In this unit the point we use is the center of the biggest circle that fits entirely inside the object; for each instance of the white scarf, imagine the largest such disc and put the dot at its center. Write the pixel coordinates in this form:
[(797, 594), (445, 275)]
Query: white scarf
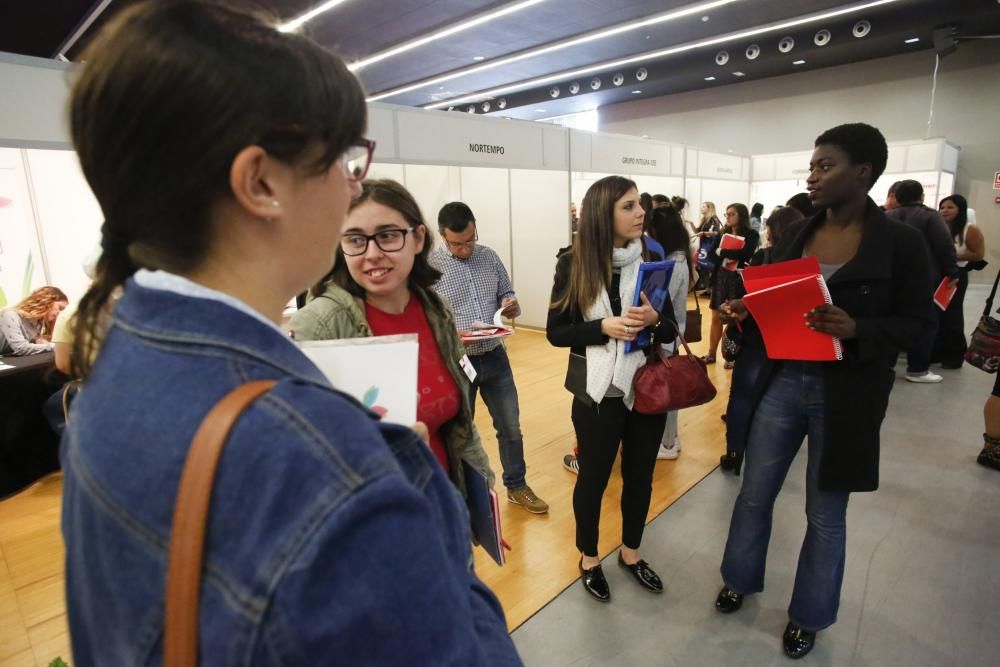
[(608, 364)]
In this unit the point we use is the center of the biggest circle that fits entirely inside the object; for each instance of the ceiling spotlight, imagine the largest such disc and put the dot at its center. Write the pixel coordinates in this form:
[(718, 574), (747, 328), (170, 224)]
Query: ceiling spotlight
[(637, 92), (574, 88), (822, 38), (705, 19), (595, 83), (618, 79), (502, 103), (721, 58), (798, 62), (753, 51), (539, 110), (486, 106), (478, 58), (471, 109), (709, 78), (861, 29), (786, 44), (554, 92), (641, 74), (740, 74), (911, 40), (451, 108)]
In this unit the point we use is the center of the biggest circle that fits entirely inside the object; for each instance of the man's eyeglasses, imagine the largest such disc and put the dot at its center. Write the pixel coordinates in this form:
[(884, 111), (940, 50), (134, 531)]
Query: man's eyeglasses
[(357, 158), (458, 245), (387, 240)]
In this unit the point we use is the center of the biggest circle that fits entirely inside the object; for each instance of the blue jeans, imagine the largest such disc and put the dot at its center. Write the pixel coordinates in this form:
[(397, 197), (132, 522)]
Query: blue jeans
[(496, 381), (792, 408)]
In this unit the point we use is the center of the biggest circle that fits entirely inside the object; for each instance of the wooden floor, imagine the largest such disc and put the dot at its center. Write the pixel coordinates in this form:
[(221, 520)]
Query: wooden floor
[(543, 561)]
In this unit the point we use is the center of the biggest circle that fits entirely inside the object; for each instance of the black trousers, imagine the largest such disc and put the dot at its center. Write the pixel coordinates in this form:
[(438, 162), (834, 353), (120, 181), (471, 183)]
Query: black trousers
[(599, 431), (950, 344)]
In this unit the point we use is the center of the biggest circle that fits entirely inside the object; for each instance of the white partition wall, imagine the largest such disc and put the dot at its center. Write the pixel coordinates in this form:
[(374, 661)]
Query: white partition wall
[(721, 178), (933, 163), (656, 167), (488, 193), (21, 267)]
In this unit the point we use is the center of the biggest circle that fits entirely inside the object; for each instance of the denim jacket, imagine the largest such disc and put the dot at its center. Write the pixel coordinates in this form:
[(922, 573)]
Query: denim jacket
[(333, 538), (337, 314)]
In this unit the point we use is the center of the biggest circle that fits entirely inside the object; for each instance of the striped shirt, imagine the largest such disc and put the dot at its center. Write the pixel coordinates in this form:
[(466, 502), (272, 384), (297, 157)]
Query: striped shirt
[(474, 288)]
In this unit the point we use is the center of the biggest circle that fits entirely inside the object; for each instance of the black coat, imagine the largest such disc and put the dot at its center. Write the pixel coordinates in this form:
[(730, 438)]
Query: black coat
[(935, 231), (885, 288)]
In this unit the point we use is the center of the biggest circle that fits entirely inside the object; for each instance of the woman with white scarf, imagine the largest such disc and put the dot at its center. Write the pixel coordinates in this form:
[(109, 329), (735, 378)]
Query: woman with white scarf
[(590, 313)]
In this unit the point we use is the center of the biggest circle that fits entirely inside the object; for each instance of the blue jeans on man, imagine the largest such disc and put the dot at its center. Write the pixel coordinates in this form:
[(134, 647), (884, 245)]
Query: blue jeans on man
[(791, 409), (495, 380)]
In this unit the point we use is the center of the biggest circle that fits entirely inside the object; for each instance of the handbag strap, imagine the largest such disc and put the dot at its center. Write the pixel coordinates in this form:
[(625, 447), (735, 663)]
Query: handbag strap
[(696, 304), (993, 293), (187, 537), (677, 334)]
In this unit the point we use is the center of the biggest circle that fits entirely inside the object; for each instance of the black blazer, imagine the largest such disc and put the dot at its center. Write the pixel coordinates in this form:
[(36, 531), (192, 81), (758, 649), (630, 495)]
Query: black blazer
[(885, 288)]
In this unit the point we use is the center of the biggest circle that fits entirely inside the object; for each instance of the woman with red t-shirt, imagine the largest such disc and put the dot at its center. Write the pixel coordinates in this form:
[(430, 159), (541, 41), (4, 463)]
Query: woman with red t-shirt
[(380, 285)]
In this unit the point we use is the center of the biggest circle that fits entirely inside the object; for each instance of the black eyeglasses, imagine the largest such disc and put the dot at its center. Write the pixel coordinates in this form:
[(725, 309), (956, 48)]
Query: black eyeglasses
[(357, 158), (387, 240), (458, 245)]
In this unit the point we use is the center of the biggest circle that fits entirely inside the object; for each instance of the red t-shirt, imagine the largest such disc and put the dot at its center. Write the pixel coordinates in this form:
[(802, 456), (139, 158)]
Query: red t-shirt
[(439, 400)]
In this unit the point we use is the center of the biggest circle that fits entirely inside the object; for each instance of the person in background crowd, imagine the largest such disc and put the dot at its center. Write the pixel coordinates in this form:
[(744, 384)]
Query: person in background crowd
[(670, 232), (910, 210), (755, 216), (708, 233), (589, 313), (26, 328), (728, 284), (891, 202), (970, 249), (573, 220), (474, 282), (751, 356), (660, 201), (803, 204), (381, 284), (224, 154), (878, 275), (680, 205), (646, 201)]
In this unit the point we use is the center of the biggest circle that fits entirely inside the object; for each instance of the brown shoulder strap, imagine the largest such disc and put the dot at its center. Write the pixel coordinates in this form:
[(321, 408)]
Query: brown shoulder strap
[(187, 537)]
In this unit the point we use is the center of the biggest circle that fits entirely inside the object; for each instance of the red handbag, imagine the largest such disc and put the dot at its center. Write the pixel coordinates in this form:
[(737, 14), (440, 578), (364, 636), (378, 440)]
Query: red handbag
[(668, 383)]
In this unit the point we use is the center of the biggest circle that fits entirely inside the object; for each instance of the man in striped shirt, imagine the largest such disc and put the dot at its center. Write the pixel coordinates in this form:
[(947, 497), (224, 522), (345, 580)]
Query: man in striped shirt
[(476, 285)]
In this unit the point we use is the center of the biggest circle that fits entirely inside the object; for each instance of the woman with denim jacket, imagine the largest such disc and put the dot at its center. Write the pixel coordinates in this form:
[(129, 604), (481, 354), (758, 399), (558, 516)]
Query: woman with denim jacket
[(590, 314), (380, 285), (224, 154), (878, 274)]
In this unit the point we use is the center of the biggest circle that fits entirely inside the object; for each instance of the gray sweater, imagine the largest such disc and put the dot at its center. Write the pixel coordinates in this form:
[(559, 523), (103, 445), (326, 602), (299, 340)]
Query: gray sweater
[(17, 334)]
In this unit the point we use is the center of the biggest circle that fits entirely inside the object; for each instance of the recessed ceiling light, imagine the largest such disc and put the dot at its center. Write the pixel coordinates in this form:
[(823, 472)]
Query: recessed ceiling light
[(911, 40), (645, 136), (798, 62), (738, 74), (709, 78), (705, 19), (477, 58), (539, 110), (637, 92)]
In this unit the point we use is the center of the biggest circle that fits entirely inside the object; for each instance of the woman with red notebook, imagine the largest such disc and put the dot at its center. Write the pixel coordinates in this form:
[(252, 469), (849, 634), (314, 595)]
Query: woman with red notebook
[(878, 275)]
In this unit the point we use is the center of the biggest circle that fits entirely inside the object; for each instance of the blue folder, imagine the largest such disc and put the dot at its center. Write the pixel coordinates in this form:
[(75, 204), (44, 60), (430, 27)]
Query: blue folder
[(654, 281), (484, 513)]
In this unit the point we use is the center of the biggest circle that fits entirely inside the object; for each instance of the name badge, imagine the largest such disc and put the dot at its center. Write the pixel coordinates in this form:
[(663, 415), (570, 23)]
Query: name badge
[(466, 365)]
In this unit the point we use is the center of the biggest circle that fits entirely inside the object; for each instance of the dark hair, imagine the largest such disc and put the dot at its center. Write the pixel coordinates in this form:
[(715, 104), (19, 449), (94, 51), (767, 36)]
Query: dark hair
[(660, 199), (863, 144), (669, 231), (757, 210), (894, 187), (962, 219), (456, 217), (779, 220), (392, 195), (593, 245), (909, 192), (169, 94), (802, 204), (679, 203), (646, 202), (742, 218)]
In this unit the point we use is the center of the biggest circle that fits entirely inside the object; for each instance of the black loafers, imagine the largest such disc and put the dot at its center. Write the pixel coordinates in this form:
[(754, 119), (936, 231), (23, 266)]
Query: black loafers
[(728, 601), (595, 583), (644, 574), (797, 642)]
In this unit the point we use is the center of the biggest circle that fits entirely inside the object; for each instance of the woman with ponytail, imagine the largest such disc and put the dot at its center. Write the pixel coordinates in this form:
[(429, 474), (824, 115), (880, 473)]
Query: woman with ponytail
[(224, 154), (590, 314)]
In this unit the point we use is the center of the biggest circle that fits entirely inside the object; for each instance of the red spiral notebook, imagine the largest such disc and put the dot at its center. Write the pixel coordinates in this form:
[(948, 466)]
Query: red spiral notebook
[(779, 296), (731, 242), (945, 293)]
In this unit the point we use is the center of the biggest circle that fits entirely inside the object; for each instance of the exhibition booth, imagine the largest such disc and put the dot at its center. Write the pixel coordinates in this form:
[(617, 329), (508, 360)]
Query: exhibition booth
[(933, 163)]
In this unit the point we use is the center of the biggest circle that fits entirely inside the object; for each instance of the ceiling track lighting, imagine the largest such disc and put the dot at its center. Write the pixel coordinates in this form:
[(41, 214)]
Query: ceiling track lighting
[(595, 83), (641, 74), (822, 37), (721, 58), (618, 79), (554, 92), (502, 103), (786, 44), (486, 106), (574, 88), (861, 28), (753, 51)]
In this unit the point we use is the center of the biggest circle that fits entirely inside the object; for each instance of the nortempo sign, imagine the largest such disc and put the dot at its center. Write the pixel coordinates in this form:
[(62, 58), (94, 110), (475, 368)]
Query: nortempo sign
[(486, 148)]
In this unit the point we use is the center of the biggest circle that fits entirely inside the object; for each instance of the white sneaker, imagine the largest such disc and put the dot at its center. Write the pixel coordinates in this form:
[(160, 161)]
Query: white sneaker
[(669, 453), (925, 378)]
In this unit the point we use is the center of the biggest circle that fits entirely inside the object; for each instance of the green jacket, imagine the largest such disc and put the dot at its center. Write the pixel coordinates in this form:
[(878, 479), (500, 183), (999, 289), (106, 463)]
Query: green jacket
[(337, 314)]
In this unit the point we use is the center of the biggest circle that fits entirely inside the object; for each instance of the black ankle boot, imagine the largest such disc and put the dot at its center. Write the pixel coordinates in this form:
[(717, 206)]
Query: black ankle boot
[(728, 601), (797, 642), (990, 456)]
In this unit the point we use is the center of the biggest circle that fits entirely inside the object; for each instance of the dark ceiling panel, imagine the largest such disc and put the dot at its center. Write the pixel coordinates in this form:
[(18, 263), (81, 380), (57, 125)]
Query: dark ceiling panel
[(37, 28)]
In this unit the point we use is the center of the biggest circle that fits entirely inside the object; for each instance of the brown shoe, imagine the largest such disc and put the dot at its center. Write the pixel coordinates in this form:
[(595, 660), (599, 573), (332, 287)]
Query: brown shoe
[(527, 499)]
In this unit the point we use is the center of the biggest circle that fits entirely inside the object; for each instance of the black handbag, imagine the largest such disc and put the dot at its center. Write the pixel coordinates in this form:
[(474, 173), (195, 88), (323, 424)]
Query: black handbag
[(576, 377), (692, 322), (984, 346)]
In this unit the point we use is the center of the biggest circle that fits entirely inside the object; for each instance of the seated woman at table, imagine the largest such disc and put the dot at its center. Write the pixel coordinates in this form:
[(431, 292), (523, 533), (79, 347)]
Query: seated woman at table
[(380, 285), (27, 327)]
